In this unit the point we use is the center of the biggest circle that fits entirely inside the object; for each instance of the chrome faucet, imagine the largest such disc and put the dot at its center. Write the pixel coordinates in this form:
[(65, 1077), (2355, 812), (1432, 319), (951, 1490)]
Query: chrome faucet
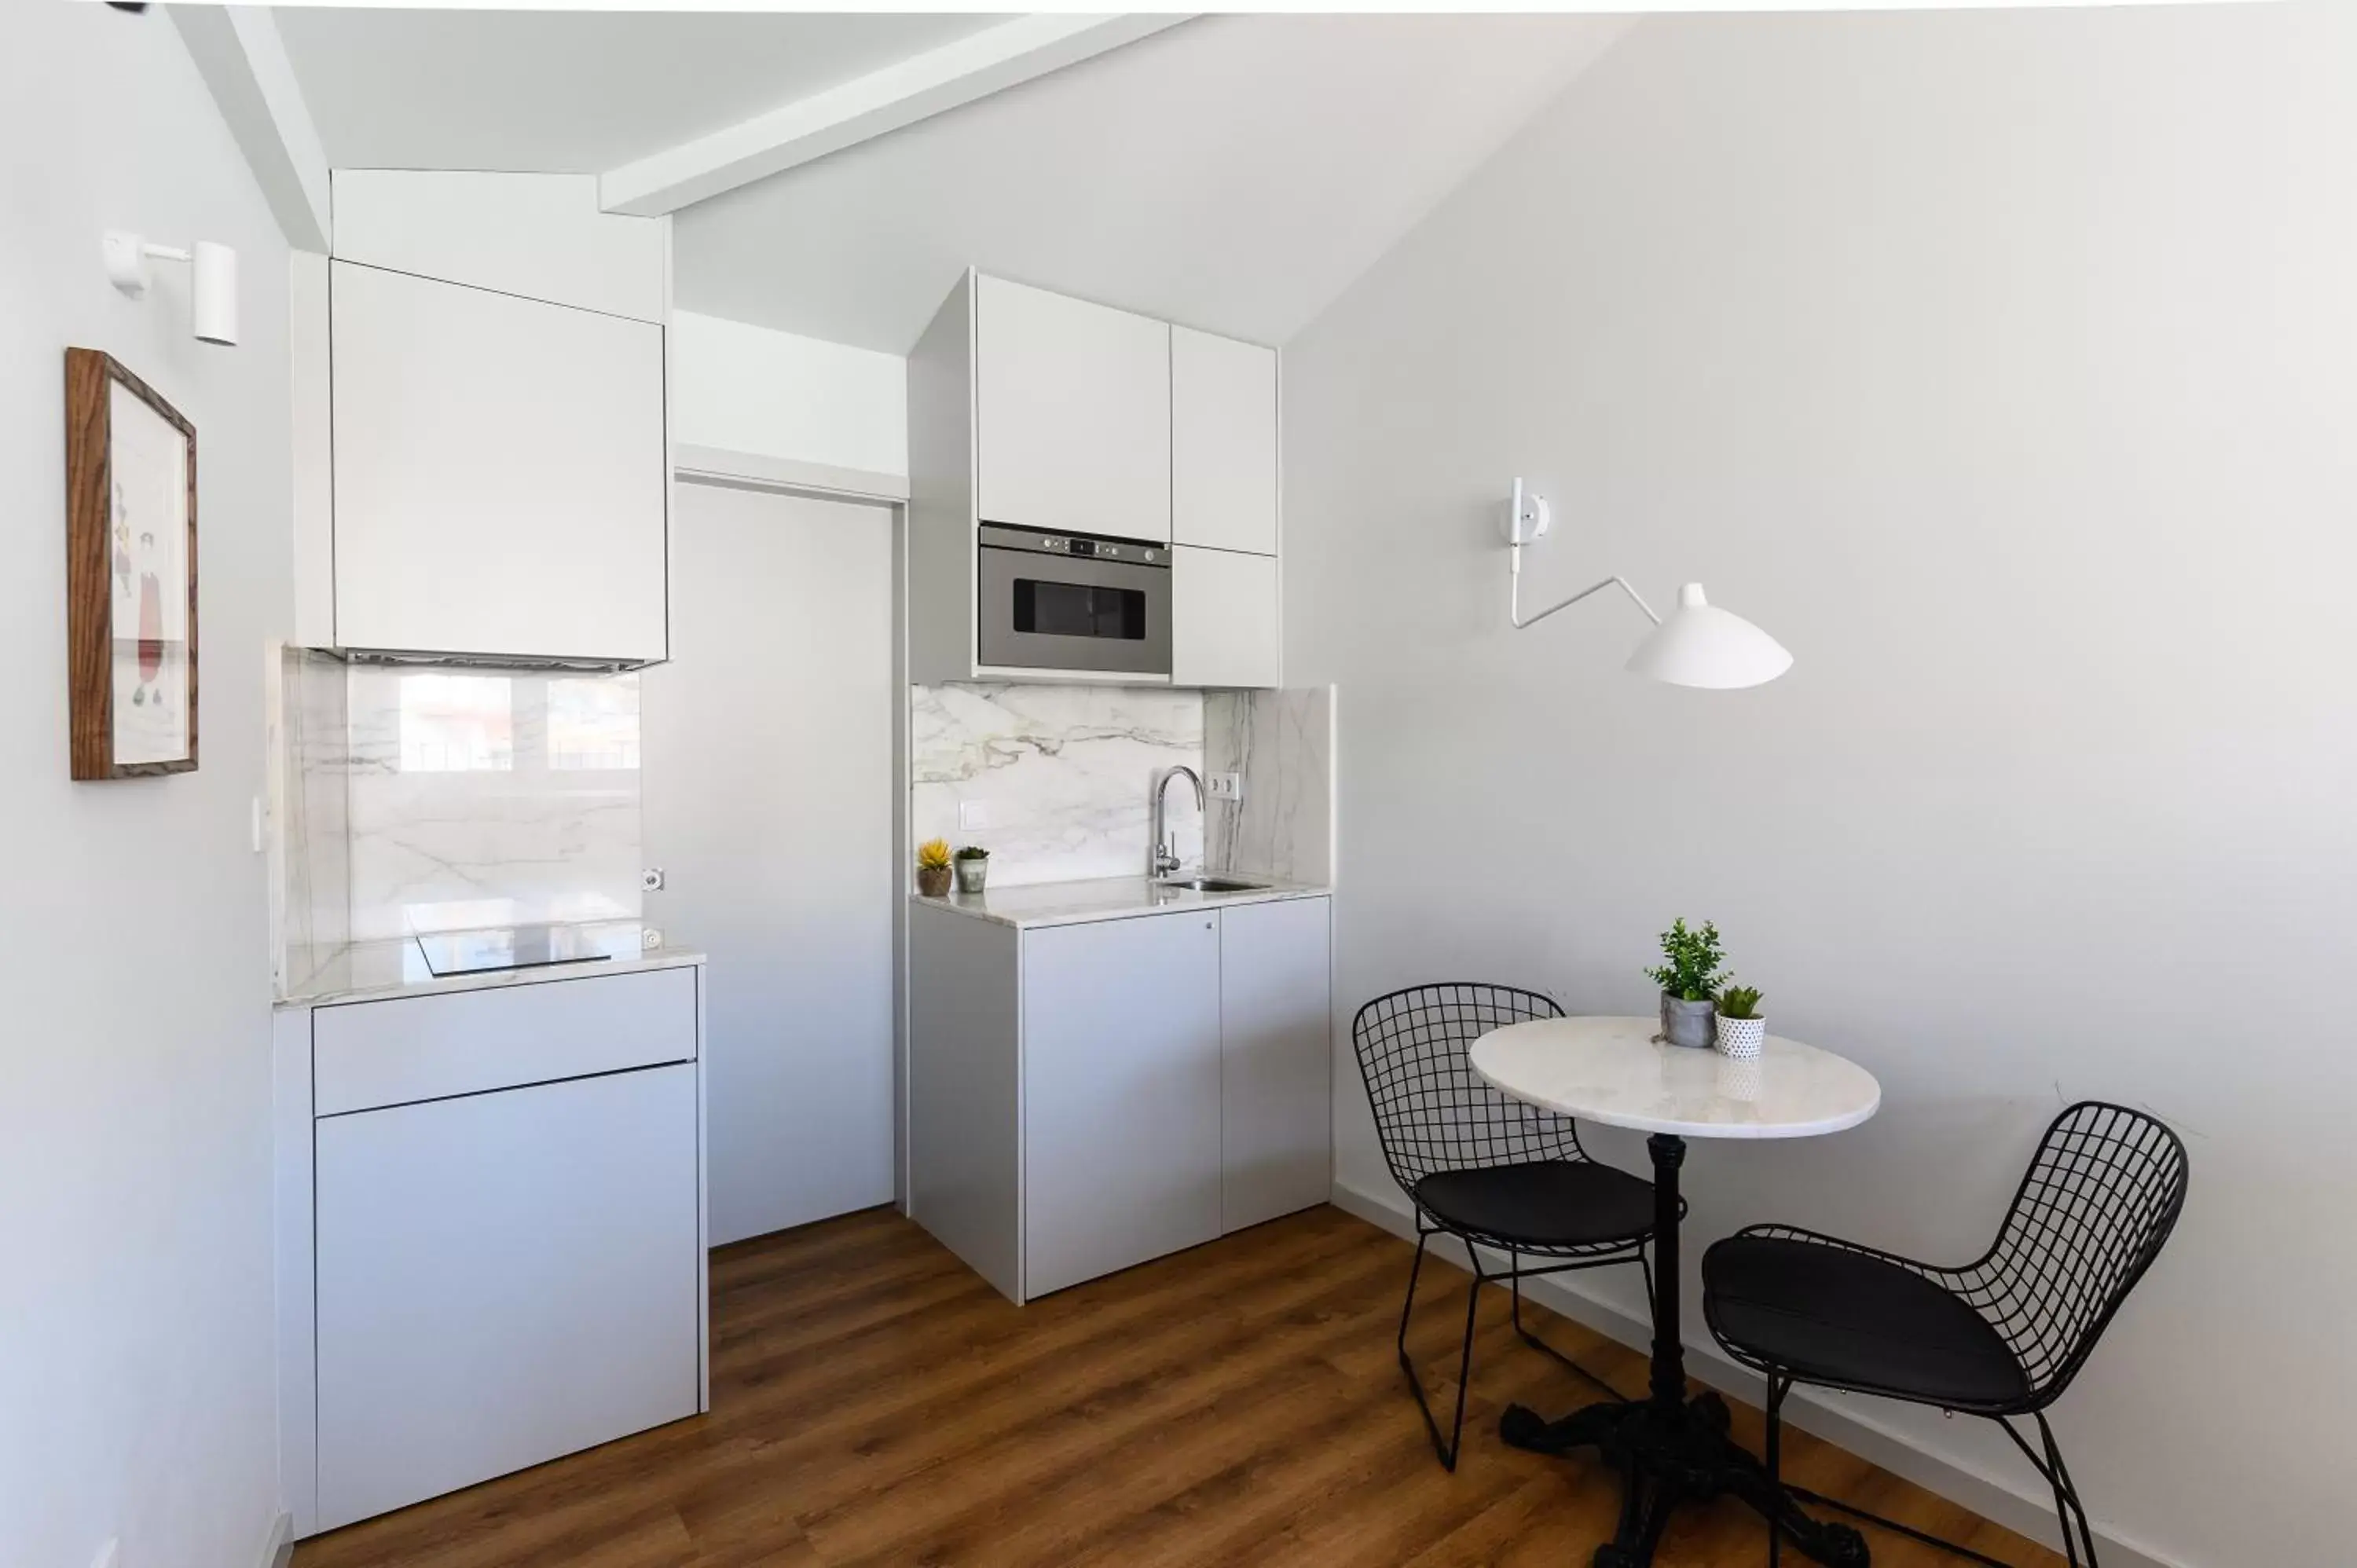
[(1164, 863)]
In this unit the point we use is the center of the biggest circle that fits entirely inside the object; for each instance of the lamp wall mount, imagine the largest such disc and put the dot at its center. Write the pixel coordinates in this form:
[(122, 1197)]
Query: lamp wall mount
[(212, 288)]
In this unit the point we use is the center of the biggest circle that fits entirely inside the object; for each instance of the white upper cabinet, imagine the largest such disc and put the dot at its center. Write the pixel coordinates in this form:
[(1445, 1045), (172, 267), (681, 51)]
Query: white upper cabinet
[(1223, 618), (1073, 415), (502, 473), (1222, 443), (539, 235)]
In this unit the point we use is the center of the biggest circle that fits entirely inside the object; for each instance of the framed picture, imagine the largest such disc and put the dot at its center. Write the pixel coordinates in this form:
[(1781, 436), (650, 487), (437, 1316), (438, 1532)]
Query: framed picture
[(131, 574)]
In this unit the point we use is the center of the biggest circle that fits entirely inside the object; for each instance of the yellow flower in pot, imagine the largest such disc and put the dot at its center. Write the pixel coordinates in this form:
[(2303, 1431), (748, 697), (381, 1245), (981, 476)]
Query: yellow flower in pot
[(933, 868)]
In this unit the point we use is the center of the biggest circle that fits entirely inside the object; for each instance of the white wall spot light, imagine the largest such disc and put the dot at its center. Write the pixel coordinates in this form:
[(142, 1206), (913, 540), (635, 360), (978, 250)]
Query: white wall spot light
[(213, 290), (1699, 645)]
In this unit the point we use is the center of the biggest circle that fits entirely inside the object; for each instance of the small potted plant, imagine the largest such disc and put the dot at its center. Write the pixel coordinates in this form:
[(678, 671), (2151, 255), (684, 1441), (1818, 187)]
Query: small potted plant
[(933, 868), (1740, 1026), (973, 867), (1689, 981)]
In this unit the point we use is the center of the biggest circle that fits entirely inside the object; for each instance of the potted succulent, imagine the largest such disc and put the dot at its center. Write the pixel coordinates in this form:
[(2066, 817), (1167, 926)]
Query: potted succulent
[(973, 867), (1740, 1026), (933, 868), (1689, 981)]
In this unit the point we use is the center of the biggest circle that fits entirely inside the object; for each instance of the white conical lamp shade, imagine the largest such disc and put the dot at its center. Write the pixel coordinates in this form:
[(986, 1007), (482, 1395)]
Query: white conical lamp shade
[(1700, 645)]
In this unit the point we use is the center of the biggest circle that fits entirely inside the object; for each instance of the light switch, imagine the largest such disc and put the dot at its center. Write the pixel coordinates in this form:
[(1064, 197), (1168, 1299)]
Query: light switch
[(972, 814)]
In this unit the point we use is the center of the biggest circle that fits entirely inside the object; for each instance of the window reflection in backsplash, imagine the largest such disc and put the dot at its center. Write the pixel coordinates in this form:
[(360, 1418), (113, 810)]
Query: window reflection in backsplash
[(510, 791), (456, 724), (592, 724)]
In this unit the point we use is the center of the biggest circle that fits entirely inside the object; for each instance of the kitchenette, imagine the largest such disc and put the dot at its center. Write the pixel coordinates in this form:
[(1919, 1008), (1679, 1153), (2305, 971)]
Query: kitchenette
[(1119, 1046), (515, 1108), (490, 1067)]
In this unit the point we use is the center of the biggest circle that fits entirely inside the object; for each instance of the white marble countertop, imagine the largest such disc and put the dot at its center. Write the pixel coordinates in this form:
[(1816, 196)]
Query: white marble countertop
[(1609, 1070), (364, 971), (1104, 898)]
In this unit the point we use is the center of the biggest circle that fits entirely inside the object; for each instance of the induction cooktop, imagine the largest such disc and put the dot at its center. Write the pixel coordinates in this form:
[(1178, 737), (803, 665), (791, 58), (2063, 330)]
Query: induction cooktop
[(497, 947)]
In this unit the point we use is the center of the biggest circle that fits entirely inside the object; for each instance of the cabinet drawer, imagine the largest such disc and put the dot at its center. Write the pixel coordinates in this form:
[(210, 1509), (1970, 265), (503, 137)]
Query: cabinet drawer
[(368, 1054)]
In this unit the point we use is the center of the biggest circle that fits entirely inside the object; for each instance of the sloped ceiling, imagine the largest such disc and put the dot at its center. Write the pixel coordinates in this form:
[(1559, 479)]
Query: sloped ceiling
[(1234, 173), (568, 92)]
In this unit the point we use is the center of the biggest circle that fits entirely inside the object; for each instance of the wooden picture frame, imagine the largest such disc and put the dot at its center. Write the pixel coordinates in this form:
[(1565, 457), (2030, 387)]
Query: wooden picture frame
[(131, 574)]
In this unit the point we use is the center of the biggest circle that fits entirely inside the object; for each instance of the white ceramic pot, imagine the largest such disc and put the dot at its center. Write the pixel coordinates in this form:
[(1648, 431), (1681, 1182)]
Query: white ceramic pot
[(1740, 1037), (973, 873)]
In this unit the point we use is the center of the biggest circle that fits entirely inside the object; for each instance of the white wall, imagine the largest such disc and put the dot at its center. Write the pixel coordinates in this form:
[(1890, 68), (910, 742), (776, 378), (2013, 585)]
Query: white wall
[(2005, 367), (136, 1365), (741, 387)]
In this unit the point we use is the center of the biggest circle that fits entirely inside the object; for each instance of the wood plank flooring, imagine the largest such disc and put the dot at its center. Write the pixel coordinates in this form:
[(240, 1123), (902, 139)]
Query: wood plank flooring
[(874, 1402)]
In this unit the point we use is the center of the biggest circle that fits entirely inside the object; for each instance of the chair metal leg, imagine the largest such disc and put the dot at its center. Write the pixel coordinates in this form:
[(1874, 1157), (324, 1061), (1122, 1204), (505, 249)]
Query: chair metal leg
[(2049, 1468), (2065, 1491), (1445, 1449), (1414, 1382), (1465, 1359), (1531, 1338), (1776, 1468)]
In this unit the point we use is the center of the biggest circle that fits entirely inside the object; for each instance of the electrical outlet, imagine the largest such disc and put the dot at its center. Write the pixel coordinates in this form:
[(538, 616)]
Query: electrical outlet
[(972, 814), (650, 879), (1224, 787)]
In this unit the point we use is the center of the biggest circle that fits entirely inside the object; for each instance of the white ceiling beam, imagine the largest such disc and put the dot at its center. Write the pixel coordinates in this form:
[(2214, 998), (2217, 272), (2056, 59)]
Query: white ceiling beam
[(899, 94), (242, 59)]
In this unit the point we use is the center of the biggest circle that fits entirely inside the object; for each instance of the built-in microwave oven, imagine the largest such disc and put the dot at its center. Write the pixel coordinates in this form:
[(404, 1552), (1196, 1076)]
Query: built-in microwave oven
[(1069, 601)]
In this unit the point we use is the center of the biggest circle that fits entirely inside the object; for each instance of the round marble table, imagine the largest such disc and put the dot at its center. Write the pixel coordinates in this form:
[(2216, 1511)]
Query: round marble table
[(1672, 1450)]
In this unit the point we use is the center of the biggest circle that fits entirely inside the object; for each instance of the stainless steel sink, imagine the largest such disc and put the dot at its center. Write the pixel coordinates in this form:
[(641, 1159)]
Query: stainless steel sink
[(1209, 884)]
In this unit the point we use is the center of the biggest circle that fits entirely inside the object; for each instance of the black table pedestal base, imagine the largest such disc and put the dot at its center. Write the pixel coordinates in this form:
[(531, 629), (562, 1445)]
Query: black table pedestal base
[(1671, 1453)]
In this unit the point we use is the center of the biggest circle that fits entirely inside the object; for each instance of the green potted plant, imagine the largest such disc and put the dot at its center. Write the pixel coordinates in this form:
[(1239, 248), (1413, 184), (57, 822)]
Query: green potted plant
[(973, 867), (933, 868), (1740, 1026), (1689, 980)]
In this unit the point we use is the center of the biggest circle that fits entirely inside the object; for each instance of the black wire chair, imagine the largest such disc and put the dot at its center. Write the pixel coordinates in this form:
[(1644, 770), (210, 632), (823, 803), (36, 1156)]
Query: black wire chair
[(1488, 1170), (2000, 1337)]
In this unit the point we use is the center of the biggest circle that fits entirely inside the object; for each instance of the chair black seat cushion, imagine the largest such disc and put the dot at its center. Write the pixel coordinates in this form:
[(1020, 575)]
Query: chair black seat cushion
[(1541, 1203), (1836, 1317)]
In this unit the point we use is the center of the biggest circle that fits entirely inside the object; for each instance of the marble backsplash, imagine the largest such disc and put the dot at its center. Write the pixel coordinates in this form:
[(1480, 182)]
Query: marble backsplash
[(1280, 744), (448, 798), (1063, 774), (482, 798), (312, 719)]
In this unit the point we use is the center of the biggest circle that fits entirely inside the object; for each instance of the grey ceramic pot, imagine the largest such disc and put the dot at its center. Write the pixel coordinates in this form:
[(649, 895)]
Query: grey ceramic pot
[(1691, 1023), (972, 874)]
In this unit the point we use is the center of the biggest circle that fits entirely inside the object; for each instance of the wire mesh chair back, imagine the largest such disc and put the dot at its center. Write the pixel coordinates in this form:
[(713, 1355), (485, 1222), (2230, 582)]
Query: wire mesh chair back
[(2099, 1200), (1431, 1112)]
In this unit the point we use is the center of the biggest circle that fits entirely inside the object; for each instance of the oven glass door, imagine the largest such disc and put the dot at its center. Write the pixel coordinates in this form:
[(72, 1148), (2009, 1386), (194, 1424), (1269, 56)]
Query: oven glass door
[(1043, 611)]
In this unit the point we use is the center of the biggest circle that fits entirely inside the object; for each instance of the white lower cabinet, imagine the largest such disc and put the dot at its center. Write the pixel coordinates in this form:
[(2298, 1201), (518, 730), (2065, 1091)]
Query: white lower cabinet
[(503, 1278), (490, 1232), (1121, 1074), (1276, 1099), (1161, 1082)]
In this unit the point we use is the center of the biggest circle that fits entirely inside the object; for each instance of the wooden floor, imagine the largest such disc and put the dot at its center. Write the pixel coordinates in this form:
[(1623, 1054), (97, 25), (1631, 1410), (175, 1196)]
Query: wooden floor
[(876, 1402)]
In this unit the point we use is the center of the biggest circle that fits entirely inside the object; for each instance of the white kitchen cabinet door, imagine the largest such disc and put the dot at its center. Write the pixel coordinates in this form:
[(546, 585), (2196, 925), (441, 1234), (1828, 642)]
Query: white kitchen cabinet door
[(502, 473), (503, 1278), (1275, 1018), (1073, 415), (1222, 443), (1223, 618), (1121, 1094)]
